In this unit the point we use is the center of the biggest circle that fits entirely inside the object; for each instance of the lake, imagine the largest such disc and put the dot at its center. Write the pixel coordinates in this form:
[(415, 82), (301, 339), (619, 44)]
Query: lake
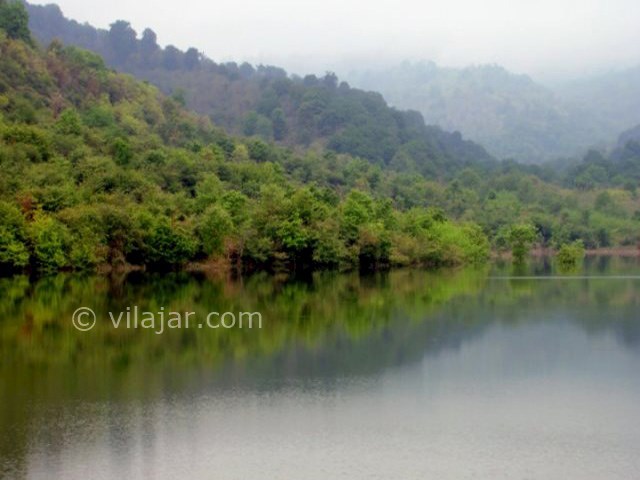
[(490, 373)]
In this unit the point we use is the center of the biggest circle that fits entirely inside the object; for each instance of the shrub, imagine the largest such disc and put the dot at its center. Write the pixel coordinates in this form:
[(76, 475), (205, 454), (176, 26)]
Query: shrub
[(50, 242), (570, 254), (13, 251), (214, 226), (521, 237)]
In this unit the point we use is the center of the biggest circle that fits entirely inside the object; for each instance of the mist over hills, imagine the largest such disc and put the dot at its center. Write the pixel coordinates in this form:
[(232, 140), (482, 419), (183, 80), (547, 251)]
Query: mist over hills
[(101, 170), (631, 135), (264, 101), (512, 115), (102, 167), (613, 99)]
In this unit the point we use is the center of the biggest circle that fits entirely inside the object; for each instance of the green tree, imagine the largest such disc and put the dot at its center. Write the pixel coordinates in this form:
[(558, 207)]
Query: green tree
[(13, 251), (192, 59), (215, 225), (521, 238), (149, 45), (14, 20), (570, 254), (69, 122), (172, 58), (356, 211), (50, 241), (122, 39), (122, 152), (168, 245), (250, 123), (279, 123)]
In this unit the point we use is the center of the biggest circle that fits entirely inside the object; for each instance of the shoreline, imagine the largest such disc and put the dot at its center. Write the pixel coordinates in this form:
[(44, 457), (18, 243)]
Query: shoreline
[(614, 251), (626, 252), (222, 267)]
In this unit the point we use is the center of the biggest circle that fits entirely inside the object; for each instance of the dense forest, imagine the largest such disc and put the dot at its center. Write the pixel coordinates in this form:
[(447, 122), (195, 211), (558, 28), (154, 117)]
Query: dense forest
[(512, 115), (620, 168), (264, 101), (98, 168)]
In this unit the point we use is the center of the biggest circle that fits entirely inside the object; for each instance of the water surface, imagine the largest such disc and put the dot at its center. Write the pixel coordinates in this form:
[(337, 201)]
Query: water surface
[(491, 373)]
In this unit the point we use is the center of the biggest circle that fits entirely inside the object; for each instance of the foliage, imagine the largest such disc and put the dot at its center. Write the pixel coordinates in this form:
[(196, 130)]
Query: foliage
[(13, 251), (512, 115), (107, 170), (98, 167), (267, 103), (50, 242), (14, 20), (570, 254), (216, 224), (520, 238)]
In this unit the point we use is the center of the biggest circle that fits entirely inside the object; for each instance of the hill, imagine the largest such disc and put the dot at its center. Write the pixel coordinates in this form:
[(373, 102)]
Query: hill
[(101, 169), (513, 116), (611, 100), (631, 135), (510, 114), (267, 103)]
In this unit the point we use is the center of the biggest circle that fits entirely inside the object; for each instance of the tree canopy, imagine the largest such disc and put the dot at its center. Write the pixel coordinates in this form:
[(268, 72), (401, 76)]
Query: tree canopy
[(14, 20)]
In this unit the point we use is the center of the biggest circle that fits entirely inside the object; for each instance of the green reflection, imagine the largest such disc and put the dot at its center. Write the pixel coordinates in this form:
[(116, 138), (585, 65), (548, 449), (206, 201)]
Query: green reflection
[(36, 329), (323, 327)]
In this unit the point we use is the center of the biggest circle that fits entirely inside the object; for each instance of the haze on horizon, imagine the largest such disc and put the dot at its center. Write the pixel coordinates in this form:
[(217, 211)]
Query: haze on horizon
[(549, 39)]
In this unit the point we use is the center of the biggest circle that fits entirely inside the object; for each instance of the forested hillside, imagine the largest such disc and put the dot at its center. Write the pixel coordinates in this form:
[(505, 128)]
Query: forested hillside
[(612, 100), (631, 135), (619, 168), (511, 115), (98, 168), (267, 103)]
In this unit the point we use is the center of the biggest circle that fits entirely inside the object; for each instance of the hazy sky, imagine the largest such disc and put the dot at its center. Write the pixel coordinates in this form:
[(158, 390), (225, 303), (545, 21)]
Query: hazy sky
[(545, 38)]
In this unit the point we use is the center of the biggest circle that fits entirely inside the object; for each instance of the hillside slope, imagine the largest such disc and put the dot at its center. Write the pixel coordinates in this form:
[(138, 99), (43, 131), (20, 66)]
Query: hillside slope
[(631, 135), (99, 169), (513, 116), (268, 103), (612, 99)]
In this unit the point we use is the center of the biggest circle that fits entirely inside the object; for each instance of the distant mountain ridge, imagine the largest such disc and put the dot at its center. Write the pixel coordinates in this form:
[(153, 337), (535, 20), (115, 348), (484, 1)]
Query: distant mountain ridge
[(631, 135), (613, 99), (266, 102), (101, 170), (511, 115)]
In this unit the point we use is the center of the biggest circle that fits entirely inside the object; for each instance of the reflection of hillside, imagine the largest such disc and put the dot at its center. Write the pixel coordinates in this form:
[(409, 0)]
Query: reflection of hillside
[(325, 324), (37, 328), (317, 331)]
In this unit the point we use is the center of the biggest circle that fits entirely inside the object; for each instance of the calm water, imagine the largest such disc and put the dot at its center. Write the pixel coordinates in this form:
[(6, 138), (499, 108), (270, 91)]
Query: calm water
[(465, 374)]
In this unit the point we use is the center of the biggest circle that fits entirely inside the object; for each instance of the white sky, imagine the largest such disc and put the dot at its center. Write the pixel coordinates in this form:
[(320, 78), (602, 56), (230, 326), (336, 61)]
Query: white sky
[(544, 38)]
